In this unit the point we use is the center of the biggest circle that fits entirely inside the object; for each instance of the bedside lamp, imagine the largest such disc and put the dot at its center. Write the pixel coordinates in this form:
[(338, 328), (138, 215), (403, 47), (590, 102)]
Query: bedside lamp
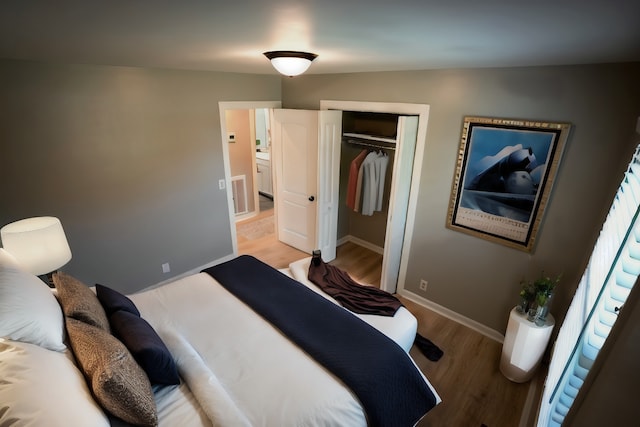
[(39, 244)]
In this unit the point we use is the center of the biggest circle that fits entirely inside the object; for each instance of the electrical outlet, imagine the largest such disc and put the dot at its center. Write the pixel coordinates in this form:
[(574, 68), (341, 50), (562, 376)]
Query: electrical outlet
[(166, 268), (221, 184), (423, 285)]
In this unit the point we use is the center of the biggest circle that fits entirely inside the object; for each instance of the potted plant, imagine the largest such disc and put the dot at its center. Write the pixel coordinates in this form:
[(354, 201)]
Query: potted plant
[(544, 290), (535, 296), (527, 297)]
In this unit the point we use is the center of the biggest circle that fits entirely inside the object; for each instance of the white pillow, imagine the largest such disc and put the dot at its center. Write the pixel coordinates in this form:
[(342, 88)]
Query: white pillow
[(44, 387), (29, 311)]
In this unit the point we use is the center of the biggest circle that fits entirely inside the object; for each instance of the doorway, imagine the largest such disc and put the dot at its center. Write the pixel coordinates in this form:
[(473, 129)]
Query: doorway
[(249, 141), (401, 256), (404, 193), (224, 109)]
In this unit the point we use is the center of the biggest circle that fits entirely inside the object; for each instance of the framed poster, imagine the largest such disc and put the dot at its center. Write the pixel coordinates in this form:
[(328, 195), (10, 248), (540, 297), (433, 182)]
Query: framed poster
[(503, 178)]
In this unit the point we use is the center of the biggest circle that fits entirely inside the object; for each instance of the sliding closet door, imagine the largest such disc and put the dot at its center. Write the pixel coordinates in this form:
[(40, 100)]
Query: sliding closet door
[(399, 201), (329, 182)]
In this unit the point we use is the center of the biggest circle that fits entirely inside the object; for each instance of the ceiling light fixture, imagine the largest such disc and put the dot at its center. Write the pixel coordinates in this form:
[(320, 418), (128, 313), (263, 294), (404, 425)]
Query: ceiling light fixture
[(290, 63)]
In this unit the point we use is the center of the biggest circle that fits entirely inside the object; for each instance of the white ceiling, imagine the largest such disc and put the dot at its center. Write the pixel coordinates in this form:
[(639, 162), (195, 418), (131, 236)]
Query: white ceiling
[(347, 35)]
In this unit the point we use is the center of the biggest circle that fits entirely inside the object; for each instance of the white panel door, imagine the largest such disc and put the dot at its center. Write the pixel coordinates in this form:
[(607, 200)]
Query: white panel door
[(399, 201), (295, 156)]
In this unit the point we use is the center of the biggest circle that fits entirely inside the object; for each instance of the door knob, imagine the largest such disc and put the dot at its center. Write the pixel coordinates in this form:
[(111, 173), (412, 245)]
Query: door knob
[(311, 198)]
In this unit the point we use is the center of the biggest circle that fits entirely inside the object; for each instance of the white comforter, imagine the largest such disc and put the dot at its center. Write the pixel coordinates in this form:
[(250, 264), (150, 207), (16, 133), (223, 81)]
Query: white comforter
[(241, 370)]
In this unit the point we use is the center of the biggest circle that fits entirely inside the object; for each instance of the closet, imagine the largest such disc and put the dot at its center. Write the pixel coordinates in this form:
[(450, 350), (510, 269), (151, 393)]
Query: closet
[(368, 148), (383, 138), (312, 153)]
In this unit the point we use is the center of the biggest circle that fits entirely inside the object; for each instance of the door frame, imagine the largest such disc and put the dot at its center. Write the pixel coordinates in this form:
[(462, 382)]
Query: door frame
[(223, 106), (422, 111)]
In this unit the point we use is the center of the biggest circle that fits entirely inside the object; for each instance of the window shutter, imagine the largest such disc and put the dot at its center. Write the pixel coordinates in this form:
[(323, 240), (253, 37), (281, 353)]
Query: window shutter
[(607, 281)]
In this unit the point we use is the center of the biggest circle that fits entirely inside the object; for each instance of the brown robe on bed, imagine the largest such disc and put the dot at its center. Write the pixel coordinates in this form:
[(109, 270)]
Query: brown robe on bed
[(351, 294)]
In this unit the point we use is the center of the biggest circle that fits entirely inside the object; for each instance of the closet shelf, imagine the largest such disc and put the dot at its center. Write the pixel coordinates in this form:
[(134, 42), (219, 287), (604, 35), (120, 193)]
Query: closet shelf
[(366, 137)]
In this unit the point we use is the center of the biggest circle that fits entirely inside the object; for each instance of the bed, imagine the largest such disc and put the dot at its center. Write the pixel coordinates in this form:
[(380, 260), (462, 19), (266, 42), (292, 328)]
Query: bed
[(194, 353), (401, 327)]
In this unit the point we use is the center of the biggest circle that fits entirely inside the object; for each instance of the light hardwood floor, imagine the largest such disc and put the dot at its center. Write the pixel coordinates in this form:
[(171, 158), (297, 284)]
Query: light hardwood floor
[(467, 377), (267, 248)]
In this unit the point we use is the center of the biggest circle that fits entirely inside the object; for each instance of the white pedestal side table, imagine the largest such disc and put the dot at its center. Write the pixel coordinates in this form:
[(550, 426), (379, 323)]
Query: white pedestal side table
[(524, 345)]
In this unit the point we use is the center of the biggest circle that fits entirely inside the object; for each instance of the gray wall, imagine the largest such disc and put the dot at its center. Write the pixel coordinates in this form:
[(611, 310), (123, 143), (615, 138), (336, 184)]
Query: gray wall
[(128, 158), (477, 278)]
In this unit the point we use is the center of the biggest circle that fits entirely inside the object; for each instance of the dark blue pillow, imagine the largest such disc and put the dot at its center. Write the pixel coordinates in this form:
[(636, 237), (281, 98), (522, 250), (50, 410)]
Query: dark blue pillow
[(113, 301), (146, 346)]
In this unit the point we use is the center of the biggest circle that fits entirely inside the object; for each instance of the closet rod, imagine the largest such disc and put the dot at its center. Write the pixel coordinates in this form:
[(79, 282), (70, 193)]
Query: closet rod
[(368, 144)]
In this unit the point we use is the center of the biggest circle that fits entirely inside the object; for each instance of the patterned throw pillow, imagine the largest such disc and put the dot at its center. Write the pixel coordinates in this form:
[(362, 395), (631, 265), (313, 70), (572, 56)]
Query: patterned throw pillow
[(79, 302), (119, 384)]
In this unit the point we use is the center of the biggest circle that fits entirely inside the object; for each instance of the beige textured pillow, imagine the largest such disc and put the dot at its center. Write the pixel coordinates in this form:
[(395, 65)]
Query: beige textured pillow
[(116, 380), (79, 302)]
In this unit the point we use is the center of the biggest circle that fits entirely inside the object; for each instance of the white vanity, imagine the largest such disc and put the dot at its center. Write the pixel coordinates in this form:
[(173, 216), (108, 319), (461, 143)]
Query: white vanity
[(263, 163)]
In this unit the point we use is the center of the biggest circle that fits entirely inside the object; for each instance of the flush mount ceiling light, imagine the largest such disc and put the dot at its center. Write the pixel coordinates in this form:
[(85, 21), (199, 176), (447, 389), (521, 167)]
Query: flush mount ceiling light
[(290, 63)]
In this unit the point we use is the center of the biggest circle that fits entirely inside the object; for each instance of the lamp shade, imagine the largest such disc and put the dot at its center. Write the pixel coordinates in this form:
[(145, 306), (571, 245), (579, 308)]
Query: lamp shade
[(39, 244), (290, 63)]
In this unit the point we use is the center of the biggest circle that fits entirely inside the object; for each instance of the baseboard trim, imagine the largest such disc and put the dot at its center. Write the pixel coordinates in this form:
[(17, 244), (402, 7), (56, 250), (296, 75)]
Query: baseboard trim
[(360, 242), (245, 216), (191, 272), (456, 317), (528, 404)]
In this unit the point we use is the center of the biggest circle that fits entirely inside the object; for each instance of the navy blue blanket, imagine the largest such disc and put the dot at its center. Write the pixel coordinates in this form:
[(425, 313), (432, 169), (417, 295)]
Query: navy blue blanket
[(376, 369)]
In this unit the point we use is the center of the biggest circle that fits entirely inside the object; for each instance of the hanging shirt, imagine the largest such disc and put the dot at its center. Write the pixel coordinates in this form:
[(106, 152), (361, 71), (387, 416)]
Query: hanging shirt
[(354, 168), (381, 171), (369, 184), (358, 201)]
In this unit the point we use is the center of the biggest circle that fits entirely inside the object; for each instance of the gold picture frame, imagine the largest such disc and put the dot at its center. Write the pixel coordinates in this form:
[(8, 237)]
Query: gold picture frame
[(504, 175)]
